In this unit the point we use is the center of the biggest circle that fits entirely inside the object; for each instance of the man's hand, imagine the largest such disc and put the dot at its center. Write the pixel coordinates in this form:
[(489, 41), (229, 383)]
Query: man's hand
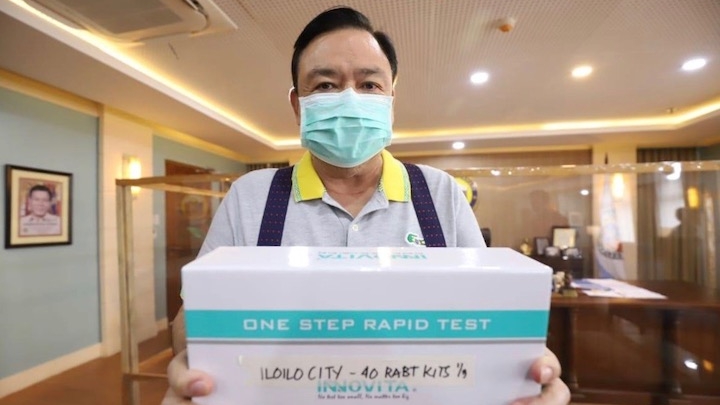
[(185, 383), (546, 371)]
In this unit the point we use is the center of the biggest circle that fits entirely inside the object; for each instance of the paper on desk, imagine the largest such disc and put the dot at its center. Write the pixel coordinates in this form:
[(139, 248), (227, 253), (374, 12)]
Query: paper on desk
[(602, 293), (587, 284), (609, 287)]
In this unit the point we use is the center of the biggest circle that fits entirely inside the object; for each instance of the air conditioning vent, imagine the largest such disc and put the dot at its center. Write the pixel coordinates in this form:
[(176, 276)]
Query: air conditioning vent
[(138, 20)]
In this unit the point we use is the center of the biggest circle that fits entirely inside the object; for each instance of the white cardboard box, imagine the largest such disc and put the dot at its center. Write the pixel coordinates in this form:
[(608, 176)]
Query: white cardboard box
[(299, 325)]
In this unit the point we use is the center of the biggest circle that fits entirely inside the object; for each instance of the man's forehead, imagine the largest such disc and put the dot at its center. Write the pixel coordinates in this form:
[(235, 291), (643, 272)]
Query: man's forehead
[(343, 45)]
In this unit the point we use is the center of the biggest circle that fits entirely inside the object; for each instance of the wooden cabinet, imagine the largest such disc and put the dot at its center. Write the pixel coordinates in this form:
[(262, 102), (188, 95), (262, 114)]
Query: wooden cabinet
[(573, 265), (640, 351)]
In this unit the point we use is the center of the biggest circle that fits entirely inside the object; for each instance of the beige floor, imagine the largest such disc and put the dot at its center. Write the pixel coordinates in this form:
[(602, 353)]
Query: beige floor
[(94, 383)]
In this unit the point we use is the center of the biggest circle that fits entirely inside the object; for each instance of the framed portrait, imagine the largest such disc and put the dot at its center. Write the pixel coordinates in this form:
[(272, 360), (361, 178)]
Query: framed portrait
[(540, 245), (38, 207), (564, 237)]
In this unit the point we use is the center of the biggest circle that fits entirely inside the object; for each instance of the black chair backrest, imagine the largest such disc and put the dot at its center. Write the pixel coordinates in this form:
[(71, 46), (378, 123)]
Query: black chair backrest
[(487, 235)]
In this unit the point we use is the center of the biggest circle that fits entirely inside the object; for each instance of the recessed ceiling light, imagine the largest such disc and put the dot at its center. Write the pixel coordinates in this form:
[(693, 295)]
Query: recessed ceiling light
[(584, 192), (694, 64), (479, 77), (458, 145), (582, 71)]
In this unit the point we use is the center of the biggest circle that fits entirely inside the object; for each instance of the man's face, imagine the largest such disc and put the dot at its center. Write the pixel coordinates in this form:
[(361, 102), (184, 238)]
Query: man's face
[(39, 203), (342, 59)]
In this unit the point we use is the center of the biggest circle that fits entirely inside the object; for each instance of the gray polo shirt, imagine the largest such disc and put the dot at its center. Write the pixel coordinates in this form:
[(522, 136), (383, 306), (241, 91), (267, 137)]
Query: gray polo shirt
[(318, 220)]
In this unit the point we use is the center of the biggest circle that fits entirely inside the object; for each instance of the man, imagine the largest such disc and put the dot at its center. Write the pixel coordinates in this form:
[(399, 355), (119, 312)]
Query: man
[(542, 216), (346, 191), (39, 221)]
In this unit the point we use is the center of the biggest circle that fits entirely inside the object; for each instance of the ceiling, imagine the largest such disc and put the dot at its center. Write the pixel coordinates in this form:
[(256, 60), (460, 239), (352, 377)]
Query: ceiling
[(230, 88)]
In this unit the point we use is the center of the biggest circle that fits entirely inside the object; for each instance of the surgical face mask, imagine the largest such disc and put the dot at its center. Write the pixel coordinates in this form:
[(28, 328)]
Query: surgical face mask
[(345, 129)]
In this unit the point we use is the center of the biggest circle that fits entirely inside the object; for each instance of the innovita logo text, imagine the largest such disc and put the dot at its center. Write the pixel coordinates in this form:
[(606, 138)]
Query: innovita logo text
[(360, 386)]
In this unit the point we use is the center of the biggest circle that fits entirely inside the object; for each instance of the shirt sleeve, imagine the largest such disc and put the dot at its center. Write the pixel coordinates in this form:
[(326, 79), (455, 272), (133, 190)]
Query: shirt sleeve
[(237, 219), (467, 228), (221, 231), (456, 217)]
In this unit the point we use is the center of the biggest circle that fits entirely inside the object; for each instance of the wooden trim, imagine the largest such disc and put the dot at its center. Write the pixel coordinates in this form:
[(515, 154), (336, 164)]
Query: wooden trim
[(197, 143), (24, 379), (180, 137), (186, 190), (161, 180), (33, 88), (164, 183), (620, 397), (47, 93), (161, 324), (146, 376), (129, 354), (431, 152)]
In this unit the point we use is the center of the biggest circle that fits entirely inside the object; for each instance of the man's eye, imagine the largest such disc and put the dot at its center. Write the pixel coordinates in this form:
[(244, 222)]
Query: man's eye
[(370, 86), (325, 86)]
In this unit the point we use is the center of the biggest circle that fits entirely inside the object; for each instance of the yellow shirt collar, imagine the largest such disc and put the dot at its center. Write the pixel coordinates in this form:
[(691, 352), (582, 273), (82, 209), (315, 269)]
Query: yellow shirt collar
[(394, 181)]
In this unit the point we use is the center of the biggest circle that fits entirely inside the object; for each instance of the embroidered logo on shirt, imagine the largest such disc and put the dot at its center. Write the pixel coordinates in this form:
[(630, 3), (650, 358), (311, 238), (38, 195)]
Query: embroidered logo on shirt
[(414, 239)]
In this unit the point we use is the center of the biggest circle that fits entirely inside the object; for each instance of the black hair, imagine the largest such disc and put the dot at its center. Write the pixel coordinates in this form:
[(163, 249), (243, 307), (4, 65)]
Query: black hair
[(40, 187), (335, 19)]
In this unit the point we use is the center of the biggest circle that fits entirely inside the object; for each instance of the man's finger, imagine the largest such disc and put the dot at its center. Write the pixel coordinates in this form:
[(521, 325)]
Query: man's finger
[(187, 383), (555, 393), (172, 398), (546, 369)]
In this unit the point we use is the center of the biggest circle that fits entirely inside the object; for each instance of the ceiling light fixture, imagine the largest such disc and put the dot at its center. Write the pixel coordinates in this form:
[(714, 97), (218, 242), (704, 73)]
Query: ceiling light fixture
[(479, 77), (582, 71), (458, 145), (694, 64)]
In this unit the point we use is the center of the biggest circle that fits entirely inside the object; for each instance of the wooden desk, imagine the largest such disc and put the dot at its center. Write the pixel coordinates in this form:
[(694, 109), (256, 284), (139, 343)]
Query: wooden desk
[(684, 301)]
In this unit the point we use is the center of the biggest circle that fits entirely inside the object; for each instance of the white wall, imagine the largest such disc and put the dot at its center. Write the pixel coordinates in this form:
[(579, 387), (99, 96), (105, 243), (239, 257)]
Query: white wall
[(120, 137)]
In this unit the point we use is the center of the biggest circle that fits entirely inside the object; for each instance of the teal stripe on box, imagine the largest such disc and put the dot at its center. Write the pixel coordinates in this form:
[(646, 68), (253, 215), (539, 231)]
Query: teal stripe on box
[(365, 325)]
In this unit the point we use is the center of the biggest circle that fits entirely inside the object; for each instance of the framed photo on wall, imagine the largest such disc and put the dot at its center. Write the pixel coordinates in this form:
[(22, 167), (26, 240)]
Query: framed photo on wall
[(564, 237), (540, 244), (38, 207)]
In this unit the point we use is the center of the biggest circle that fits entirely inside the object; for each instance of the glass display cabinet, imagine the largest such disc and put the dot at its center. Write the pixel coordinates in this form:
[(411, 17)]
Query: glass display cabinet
[(652, 226)]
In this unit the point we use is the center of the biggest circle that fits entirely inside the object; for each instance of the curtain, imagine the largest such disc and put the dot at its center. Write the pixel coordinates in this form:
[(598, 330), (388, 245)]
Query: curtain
[(667, 155), (680, 253)]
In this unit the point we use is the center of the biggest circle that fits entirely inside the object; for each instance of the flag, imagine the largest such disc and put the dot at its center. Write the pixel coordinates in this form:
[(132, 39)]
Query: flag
[(608, 247)]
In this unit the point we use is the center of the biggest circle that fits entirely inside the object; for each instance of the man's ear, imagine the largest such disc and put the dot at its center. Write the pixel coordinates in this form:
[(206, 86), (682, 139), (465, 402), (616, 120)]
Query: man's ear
[(295, 103), (392, 113)]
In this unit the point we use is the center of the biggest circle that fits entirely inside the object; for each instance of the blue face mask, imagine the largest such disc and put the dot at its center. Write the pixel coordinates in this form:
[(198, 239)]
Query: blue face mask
[(345, 129)]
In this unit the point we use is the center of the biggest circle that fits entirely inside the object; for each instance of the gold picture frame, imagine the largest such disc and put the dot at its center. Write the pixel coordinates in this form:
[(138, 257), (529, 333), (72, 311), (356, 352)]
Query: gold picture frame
[(38, 207), (564, 237)]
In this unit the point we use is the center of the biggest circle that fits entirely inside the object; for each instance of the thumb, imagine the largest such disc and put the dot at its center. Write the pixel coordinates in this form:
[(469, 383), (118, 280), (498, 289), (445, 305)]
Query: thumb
[(186, 382)]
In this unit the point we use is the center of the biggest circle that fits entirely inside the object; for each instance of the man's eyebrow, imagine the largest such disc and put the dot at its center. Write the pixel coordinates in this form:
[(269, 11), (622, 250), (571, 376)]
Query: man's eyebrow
[(325, 72), (330, 72), (368, 71)]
